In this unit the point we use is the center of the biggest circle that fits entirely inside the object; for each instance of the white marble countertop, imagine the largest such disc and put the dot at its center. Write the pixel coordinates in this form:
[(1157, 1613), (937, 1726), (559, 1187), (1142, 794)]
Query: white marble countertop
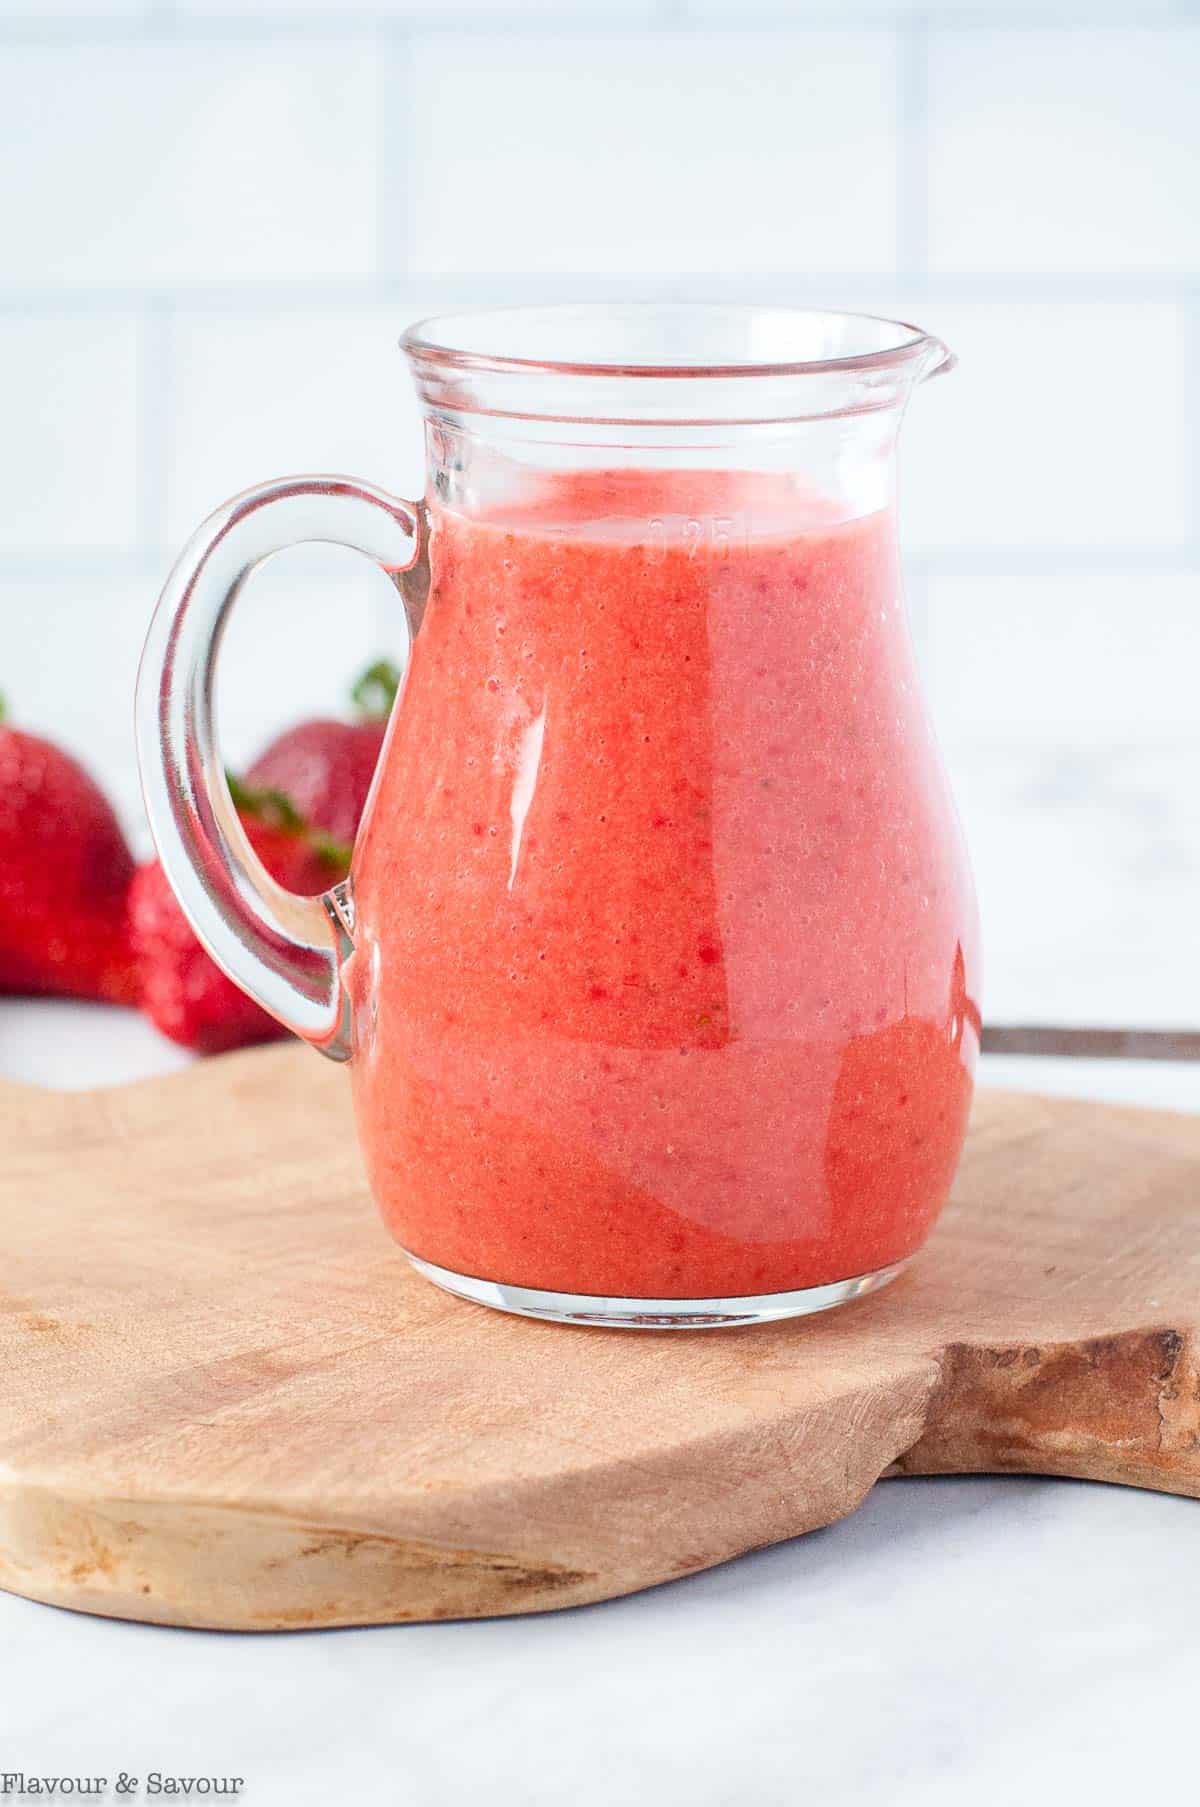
[(955, 1643)]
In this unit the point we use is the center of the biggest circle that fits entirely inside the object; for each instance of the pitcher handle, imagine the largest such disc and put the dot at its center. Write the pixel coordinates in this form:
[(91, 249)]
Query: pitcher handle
[(286, 951)]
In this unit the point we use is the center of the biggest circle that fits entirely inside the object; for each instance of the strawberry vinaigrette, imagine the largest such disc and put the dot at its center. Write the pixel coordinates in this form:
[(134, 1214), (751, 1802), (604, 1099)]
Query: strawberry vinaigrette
[(656, 970), (665, 944)]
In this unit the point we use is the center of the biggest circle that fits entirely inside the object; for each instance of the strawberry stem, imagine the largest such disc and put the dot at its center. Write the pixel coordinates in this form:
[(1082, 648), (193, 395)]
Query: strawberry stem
[(275, 809), (334, 853), (3, 708), (375, 691), (272, 807)]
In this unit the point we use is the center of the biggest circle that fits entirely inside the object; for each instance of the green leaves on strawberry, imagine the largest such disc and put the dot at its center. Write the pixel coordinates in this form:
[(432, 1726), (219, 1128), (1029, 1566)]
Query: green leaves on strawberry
[(183, 992)]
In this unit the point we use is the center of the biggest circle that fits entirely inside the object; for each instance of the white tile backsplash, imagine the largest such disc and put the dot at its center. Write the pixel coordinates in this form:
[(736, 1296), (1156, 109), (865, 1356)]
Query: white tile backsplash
[(265, 394), (203, 162), (655, 155), (1066, 712), (220, 214), (1063, 425), (1087, 859), (1112, 657), (69, 455), (1064, 150)]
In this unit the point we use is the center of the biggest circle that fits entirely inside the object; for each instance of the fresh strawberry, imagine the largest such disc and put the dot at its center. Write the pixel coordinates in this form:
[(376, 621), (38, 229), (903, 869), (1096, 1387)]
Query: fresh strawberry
[(183, 991), (64, 874), (325, 766)]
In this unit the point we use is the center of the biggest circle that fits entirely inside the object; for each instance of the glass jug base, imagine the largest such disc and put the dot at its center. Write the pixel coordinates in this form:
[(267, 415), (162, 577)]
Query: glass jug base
[(656, 1314)]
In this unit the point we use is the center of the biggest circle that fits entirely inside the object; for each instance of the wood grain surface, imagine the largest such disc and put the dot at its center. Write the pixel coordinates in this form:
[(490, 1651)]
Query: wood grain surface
[(226, 1400)]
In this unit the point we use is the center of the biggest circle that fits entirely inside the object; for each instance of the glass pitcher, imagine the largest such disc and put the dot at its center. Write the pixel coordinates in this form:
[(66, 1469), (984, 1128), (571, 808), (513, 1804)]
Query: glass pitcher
[(656, 970)]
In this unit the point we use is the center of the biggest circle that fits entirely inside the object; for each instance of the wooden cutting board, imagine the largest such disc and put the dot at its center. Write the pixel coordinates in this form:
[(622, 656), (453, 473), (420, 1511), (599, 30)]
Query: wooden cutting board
[(226, 1400)]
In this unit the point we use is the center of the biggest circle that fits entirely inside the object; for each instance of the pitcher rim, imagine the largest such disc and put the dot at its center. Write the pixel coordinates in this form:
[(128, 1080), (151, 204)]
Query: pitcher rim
[(429, 340)]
